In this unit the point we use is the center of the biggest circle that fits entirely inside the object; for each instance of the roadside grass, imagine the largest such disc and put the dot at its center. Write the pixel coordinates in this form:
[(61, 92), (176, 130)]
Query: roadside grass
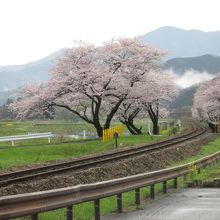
[(208, 173), (210, 148)]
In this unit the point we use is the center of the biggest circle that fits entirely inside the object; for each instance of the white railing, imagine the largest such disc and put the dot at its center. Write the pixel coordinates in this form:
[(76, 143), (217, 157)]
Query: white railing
[(26, 137)]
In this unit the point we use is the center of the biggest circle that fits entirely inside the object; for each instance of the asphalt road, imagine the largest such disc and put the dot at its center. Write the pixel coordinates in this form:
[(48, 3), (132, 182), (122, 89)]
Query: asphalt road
[(186, 204)]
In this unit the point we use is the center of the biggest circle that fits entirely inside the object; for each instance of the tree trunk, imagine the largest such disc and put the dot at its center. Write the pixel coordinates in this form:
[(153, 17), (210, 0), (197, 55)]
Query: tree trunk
[(154, 116), (132, 128), (129, 128), (156, 129), (111, 114), (99, 130)]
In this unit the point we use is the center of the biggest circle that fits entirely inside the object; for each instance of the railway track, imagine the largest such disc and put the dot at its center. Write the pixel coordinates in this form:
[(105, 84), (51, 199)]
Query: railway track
[(29, 174)]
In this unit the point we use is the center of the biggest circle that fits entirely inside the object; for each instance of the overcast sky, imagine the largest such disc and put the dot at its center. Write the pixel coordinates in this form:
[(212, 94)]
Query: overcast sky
[(32, 29)]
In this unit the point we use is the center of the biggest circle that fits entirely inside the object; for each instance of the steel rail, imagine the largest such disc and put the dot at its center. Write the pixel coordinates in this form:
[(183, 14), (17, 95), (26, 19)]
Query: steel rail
[(34, 203), (14, 177)]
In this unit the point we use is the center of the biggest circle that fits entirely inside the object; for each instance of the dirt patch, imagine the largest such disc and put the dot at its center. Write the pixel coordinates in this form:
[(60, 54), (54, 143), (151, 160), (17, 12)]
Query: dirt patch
[(116, 169)]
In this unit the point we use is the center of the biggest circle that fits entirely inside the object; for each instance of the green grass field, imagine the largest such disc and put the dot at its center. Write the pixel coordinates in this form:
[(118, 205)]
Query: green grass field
[(22, 127), (38, 150), (55, 126), (27, 152)]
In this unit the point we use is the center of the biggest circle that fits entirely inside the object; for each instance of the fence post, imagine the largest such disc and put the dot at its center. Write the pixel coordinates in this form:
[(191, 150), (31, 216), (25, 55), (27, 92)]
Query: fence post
[(69, 212), (137, 196), (84, 134), (175, 183), (97, 209), (34, 217), (119, 203), (152, 193), (165, 186)]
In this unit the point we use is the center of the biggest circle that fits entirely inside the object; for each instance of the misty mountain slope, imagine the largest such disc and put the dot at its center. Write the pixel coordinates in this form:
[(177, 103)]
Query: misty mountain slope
[(13, 77), (184, 43), (185, 98), (4, 95), (205, 63)]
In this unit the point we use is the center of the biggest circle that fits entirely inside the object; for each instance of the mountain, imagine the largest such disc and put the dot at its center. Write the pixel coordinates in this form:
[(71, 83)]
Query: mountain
[(191, 71), (205, 63), (184, 43), (185, 98), (15, 76)]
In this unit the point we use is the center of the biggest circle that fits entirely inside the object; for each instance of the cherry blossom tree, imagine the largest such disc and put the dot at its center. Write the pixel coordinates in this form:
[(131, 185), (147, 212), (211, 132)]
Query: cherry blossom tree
[(127, 112), (91, 81), (151, 95), (159, 92), (206, 102)]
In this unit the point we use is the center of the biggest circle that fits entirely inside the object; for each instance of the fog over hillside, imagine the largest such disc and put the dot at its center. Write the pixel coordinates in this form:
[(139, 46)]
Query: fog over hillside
[(190, 77)]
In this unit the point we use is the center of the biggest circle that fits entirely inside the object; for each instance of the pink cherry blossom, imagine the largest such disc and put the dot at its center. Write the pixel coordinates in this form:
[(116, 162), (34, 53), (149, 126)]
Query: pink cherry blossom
[(206, 103), (93, 82)]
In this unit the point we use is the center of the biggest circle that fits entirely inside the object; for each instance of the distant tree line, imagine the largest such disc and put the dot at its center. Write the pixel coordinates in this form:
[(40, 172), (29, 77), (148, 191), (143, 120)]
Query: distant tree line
[(5, 112), (54, 113)]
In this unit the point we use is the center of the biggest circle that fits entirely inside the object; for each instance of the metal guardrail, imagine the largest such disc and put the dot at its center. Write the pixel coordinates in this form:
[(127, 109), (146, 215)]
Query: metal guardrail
[(34, 203), (26, 137)]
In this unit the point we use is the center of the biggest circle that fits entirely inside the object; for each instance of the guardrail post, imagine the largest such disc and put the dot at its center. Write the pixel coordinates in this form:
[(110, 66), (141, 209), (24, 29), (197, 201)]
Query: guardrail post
[(12, 143), (69, 212), (137, 196), (97, 209), (152, 192), (214, 160), (165, 186), (175, 183), (185, 177), (34, 217), (49, 140), (119, 203)]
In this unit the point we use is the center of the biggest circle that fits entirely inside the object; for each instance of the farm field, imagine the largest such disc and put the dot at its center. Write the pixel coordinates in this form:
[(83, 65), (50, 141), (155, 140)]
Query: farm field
[(57, 126)]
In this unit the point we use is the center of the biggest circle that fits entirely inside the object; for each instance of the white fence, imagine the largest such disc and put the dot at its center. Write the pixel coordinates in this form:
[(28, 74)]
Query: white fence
[(26, 137)]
